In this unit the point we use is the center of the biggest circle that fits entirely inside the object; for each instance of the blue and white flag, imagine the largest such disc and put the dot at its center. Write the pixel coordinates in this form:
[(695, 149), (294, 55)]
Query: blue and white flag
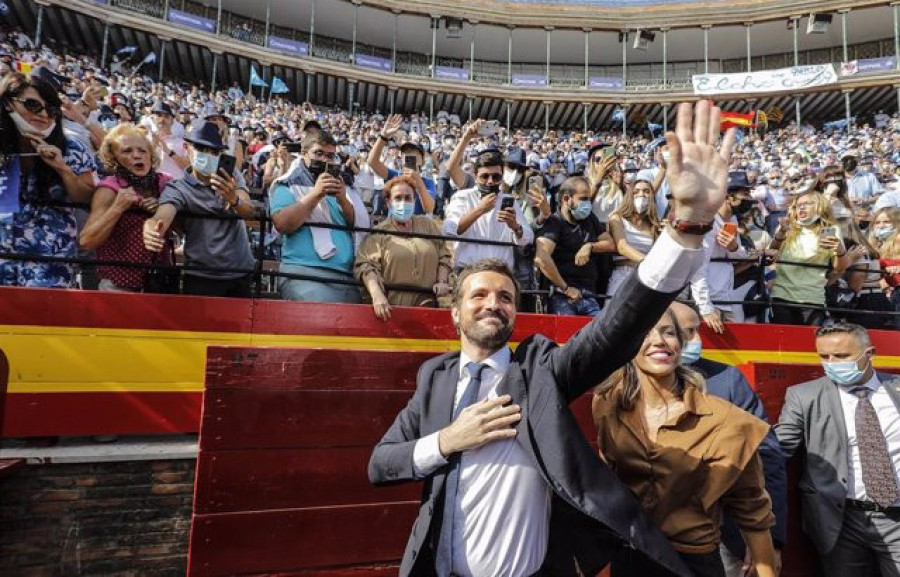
[(10, 180), (127, 50), (278, 86), (618, 115), (148, 59), (255, 78), (654, 144), (653, 127), (837, 124)]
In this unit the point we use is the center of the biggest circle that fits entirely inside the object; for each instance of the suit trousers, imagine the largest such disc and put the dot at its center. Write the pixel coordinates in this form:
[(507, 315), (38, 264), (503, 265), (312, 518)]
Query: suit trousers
[(869, 543)]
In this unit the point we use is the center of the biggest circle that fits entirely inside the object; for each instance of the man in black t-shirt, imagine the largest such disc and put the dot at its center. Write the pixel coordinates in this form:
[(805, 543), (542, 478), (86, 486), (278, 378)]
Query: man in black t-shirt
[(567, 250)]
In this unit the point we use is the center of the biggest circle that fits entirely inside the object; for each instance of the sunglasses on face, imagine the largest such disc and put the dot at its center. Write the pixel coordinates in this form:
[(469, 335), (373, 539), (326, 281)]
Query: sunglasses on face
[(35, 106), (597, 159)]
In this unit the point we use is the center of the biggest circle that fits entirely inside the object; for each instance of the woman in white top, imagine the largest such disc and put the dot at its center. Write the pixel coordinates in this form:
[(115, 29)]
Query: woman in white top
[(634, 227)]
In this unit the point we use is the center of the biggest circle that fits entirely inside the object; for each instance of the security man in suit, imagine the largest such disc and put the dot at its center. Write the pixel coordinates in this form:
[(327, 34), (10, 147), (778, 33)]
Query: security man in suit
[(727, 382), (511, 486), (846, 425)]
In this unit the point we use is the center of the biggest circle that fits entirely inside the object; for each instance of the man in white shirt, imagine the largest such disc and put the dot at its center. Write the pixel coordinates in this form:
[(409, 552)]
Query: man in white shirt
[(484, 213), (847, 426), (714, 282), (170, 148), (512, 487)]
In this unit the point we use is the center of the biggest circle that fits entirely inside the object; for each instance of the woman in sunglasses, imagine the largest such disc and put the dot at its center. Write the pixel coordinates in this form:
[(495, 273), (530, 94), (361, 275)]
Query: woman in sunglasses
[(120, 206), (41, 171)]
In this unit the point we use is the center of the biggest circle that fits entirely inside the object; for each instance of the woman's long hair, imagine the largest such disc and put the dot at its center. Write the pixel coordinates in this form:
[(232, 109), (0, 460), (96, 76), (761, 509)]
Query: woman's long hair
[(889, 247), (627, 211), (12, 86), (629, 381), (822, 209)]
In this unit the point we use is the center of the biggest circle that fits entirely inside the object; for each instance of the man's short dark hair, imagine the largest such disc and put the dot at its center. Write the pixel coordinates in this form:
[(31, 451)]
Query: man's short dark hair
[(858, 332), (484, 265), (319, 137), (488, 158), (570, 185)]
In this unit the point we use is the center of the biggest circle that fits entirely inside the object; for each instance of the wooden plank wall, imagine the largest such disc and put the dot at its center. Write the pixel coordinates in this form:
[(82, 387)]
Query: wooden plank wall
[(286, 434)]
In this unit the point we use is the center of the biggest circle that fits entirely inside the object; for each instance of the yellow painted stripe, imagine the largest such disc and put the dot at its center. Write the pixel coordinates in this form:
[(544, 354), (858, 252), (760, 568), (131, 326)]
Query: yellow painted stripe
[(81, 360)]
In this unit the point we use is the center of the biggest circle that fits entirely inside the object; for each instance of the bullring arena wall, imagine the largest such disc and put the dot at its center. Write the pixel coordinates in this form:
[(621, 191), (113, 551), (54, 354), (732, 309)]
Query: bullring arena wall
[(297, 394)]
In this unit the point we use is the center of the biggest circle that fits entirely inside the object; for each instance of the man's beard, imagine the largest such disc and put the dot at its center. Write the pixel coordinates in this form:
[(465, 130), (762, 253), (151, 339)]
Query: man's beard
[(490, 338)]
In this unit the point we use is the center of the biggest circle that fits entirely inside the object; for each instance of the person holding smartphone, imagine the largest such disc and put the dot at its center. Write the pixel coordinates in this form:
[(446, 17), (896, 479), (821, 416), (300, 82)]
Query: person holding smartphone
[(314, 192), (216, 249), (807, 236), (485, 213), (413, 159), (714, 283)]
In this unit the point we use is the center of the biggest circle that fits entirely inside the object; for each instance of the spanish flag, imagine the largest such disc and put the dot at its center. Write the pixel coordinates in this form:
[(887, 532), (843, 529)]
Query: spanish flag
[(729, 119), (24, 67)]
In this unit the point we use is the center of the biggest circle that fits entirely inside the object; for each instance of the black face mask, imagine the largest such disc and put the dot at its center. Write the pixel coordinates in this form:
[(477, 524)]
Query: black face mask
[(316, 167), (489, 188), (146, 182), (743, 207), (849, 164)]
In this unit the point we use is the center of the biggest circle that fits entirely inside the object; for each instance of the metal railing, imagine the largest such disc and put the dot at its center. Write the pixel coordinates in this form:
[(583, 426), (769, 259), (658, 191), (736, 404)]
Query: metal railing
[(260, 274)]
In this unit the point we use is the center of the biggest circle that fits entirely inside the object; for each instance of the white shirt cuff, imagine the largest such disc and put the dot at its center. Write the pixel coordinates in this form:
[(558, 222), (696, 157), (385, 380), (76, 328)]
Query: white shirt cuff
[(427, 456), (669, 266)]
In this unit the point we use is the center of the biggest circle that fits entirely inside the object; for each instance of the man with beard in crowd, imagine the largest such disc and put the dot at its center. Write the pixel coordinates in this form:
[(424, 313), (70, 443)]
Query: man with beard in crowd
[(511, 485)]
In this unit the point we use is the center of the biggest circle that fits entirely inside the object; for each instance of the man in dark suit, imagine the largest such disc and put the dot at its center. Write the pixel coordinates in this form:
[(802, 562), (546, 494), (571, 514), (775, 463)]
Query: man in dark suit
[(727, 382), (511, 486), (846, 425)]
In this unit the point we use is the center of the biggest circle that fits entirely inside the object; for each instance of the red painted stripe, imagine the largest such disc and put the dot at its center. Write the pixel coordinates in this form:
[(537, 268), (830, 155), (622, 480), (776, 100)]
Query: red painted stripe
[(109, 310), (277, 369), (289, 540), (304, 419), (266, 479), (64, 414)]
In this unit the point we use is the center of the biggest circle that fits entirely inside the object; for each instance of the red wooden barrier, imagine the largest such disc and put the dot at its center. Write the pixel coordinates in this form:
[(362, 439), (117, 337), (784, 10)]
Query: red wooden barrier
[(285, 440), (7, 466)]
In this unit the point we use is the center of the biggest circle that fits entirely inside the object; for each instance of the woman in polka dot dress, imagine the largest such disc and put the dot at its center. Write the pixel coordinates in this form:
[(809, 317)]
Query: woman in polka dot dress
[(120, 206)]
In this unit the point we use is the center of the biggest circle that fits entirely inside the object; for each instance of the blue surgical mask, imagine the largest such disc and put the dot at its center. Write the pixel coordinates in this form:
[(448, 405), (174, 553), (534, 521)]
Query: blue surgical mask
[(690, 352), (205, 163), (581, 210), (402, 211), (884, 232), (845, 373)]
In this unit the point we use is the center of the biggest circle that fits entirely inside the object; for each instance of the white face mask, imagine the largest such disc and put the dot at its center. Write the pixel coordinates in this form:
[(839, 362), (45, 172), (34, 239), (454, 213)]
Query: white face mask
[(25, 127), (641, 204), (511, 177)]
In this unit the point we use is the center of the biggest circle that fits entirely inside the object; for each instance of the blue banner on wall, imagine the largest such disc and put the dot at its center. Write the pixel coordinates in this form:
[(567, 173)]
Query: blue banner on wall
[(289, 46), (373, 62), (529, 80), (192, 20)]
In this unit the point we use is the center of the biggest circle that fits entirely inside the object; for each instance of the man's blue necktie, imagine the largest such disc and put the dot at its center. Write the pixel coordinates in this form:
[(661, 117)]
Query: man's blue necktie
[(444, 558)]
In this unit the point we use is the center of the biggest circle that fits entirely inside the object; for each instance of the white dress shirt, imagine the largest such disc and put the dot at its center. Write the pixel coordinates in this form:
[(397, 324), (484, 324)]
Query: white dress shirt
[(715, 279), (487, 227), (501, 523), (888, 418)]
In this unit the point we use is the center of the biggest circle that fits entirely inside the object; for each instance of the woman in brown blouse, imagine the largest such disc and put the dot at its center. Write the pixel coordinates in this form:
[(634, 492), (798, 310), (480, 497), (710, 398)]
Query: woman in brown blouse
[(685, 455), (389, 259)]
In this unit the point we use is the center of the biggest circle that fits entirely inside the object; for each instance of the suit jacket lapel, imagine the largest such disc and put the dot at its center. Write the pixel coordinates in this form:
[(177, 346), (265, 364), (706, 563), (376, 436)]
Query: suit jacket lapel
[(443, 394), (834, 407)]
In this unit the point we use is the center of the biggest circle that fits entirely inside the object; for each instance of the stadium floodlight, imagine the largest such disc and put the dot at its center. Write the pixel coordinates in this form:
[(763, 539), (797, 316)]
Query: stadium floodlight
[(818, 23), (453, 26), (642, 40)]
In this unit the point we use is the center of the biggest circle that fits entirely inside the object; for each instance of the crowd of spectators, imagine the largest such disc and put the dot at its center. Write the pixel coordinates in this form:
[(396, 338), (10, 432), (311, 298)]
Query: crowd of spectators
[(117, 167)]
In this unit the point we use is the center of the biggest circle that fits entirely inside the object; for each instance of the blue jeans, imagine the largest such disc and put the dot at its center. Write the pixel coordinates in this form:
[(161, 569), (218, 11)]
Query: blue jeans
[(320, 292), (586, 306)]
